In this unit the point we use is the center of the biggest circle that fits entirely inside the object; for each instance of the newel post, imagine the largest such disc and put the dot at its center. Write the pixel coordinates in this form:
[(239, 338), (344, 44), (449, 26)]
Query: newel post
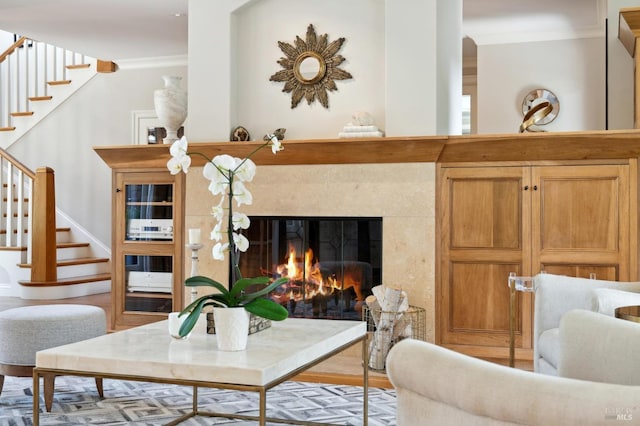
[(43, 241)]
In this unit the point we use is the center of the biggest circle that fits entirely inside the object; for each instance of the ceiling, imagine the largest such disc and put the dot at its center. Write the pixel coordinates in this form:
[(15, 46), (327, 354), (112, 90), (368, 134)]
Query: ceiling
[(103, 29), (134, 29)]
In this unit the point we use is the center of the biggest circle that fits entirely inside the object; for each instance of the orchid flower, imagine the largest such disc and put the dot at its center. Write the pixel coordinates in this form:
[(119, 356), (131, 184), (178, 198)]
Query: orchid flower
[(224, 162), (216, 233), (245, 169), (179, 147), (219, 249), (218, 211), (240, 221), (178, 164), (276, 145), (226, 176), (241, 194), (179, 161), (241, 242)]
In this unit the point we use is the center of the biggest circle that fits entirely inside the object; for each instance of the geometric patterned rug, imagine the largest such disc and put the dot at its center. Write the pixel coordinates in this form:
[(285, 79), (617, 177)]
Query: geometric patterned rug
[(76, 402)]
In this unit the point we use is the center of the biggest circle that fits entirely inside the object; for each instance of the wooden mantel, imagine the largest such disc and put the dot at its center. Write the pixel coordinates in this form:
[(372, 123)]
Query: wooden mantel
[(599, 145)]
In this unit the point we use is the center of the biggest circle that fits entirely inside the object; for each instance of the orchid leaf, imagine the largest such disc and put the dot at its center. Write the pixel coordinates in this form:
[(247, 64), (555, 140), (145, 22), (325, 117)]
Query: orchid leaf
[(268, 289), (268, 309), (243, 283)]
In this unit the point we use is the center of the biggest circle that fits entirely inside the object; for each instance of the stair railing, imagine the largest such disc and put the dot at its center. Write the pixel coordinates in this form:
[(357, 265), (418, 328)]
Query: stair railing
[(27, 69), (28, 214)]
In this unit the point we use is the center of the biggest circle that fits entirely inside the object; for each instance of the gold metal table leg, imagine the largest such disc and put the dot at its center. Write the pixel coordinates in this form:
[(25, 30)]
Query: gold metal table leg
[(512, 322), (365, 381), (36, 398)]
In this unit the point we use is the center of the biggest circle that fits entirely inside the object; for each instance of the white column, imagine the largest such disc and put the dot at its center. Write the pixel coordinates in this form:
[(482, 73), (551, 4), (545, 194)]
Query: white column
[(449, 67), (211, 68), (424, 67)]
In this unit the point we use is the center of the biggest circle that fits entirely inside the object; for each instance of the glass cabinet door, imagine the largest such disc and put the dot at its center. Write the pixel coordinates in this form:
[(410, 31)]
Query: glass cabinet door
[(149, 283), (149, 212), (148, 217)]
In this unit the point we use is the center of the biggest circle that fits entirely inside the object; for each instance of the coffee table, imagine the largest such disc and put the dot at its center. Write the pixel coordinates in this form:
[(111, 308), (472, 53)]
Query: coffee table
[(147, 353)]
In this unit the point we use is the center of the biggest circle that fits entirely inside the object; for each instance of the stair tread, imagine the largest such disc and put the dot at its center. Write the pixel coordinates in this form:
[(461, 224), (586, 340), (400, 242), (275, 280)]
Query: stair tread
[(78, 66), (71, 245), (71, 262), (40, 98), (68, 281), (22, 113), (2, 248), (7, 129), (58, 82)]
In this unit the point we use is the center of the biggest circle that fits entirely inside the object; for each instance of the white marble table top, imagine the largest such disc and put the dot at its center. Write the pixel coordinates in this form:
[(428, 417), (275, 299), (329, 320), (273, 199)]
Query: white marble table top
[(149, 351)]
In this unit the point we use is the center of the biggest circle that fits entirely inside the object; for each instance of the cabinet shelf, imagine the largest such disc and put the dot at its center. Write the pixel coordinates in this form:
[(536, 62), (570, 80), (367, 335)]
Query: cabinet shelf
[(150, 203), (149, 295)]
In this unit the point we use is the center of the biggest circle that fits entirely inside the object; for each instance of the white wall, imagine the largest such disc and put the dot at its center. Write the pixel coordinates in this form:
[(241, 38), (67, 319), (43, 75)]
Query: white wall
[(261, 105), (573, 69), (6, 40), (390, 50), (100, 114), (620, 74)]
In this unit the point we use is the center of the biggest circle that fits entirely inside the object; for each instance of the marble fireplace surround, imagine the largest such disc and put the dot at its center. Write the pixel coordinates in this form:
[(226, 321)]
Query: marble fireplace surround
[(402, 194)]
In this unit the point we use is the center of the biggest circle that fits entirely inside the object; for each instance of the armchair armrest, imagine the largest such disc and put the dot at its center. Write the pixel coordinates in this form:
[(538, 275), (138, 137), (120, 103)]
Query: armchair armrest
[(599, 348), (606, 300), (558, 294), (437, 386)]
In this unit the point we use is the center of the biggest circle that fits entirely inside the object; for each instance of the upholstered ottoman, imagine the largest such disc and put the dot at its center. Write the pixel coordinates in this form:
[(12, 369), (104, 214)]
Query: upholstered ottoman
[(29, 329)]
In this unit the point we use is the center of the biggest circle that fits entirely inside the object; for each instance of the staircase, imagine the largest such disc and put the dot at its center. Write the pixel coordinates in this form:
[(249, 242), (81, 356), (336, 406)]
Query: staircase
[(35, 78), (38, 260), (78, 271)]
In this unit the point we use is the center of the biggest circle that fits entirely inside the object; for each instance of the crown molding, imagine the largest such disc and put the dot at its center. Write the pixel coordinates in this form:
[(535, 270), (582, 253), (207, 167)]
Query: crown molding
[(153, 62), (534, 37)]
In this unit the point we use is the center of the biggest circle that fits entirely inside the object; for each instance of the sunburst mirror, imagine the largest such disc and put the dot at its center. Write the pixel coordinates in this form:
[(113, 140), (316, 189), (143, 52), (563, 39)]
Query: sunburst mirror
[(310, 68)]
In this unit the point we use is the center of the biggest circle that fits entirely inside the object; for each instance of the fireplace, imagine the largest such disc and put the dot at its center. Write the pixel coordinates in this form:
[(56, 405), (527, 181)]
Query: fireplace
[(331, 262)]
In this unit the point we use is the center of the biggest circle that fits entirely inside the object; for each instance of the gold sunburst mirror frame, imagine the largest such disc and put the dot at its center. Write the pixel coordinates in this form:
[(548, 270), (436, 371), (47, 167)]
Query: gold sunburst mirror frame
[(311, 68)]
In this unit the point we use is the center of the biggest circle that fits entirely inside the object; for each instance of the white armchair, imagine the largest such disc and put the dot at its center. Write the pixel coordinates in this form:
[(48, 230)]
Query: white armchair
[(556, 295), (436, 386)]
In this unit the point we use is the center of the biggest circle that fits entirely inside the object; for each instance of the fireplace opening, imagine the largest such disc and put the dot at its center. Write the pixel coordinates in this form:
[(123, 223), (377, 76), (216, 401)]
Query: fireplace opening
[(332, 263)]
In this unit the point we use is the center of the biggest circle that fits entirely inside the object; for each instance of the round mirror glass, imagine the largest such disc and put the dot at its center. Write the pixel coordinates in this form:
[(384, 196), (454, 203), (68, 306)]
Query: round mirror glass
[(309, 68)]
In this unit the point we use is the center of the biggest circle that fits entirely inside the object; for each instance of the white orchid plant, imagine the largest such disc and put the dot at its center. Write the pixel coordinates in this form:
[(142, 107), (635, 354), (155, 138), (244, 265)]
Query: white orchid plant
[(227, 176)]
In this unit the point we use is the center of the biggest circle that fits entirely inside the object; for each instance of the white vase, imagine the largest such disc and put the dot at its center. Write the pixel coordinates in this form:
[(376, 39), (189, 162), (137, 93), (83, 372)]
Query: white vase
[(232, 328), (171, 106)]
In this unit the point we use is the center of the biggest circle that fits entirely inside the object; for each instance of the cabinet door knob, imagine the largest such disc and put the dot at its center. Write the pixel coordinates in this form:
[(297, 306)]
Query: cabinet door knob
[(526, 187), (535, 187), (118, 190)]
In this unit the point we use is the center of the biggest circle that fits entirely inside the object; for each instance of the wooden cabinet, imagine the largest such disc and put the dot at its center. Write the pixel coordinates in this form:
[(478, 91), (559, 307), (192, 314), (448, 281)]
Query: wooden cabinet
[(574, 219), (147, 246)]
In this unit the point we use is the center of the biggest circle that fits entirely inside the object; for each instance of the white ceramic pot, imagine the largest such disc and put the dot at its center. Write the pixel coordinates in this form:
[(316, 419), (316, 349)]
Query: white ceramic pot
[(232, 328), (171, 106)]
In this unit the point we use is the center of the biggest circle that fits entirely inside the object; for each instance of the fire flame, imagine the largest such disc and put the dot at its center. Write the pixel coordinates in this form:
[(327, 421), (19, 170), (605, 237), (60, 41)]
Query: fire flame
[(307, 281)]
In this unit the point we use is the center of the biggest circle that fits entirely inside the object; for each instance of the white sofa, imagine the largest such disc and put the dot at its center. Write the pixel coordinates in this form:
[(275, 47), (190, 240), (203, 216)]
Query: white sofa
[(557, 294), (436, 386)]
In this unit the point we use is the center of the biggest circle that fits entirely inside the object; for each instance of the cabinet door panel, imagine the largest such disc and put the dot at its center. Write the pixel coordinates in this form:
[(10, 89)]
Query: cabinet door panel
[(485, 215), (478, 298), (581, 219)]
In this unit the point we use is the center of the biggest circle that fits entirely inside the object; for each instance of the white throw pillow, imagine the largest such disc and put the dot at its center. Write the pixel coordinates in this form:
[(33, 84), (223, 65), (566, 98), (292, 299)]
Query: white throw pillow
[(606, 300)]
